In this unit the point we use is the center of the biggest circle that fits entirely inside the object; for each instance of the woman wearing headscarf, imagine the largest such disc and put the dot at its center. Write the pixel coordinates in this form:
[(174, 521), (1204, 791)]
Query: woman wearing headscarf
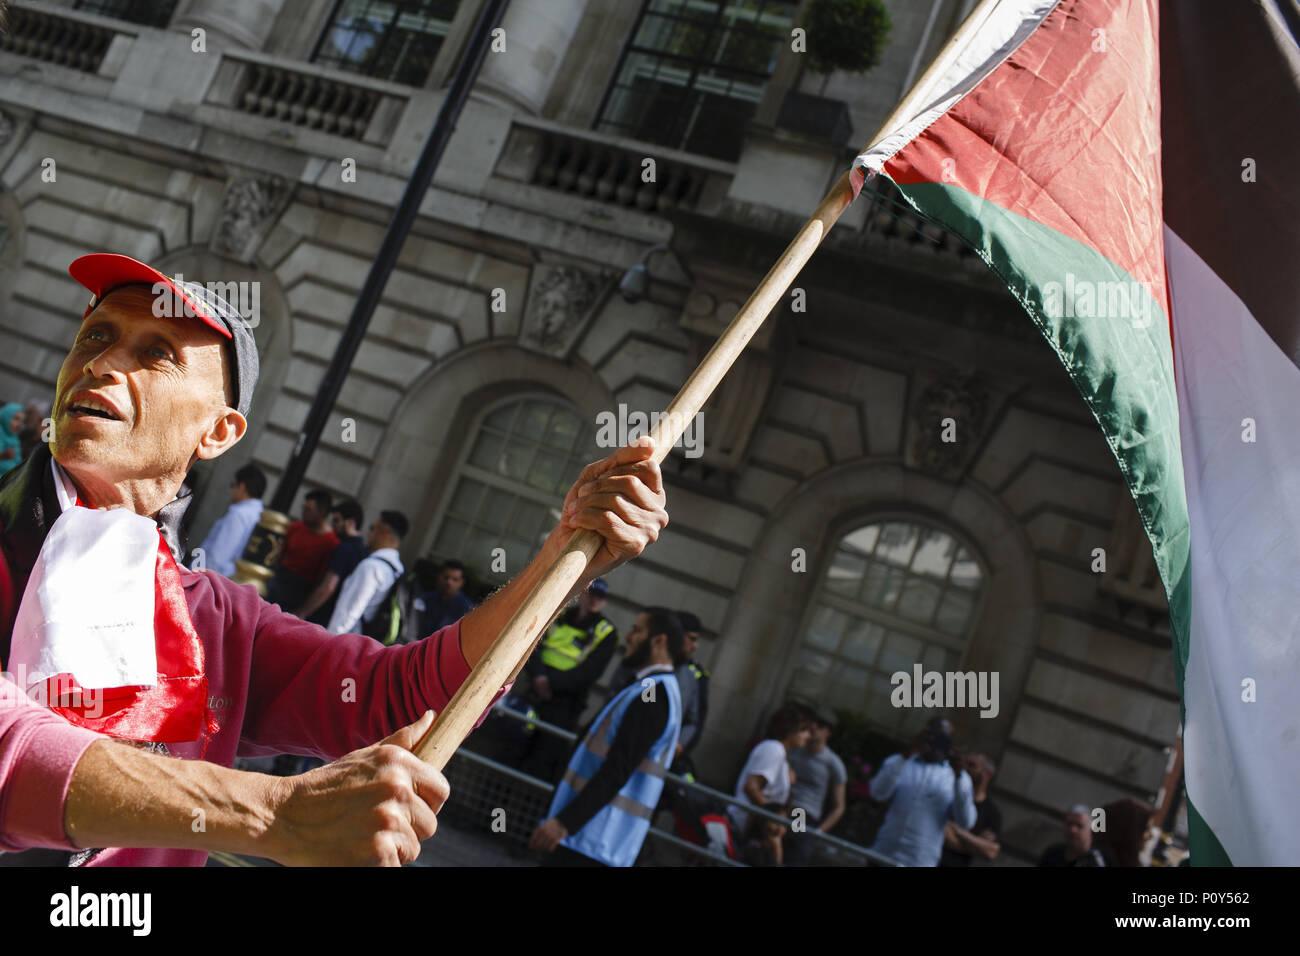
[(11, 424)]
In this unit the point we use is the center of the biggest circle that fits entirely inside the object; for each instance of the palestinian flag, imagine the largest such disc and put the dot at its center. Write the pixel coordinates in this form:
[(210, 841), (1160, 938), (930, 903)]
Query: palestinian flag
[(1131, 170)]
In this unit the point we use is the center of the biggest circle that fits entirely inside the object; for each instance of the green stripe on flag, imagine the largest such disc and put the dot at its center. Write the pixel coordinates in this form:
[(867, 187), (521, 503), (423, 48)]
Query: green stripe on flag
[(1123, 367)]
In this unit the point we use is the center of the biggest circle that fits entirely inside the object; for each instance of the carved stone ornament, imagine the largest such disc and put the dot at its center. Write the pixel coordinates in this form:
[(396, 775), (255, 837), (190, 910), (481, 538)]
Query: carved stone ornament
[(560, 299), (247, 208), (949, 418)]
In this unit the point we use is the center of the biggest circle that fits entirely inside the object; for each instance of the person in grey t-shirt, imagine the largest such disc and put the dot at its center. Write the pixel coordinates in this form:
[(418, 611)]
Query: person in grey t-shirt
[(818, 789)]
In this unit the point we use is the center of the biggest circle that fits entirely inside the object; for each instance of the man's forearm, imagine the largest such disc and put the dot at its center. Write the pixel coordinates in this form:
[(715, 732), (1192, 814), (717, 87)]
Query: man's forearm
[(318, 597), (832, 818), (120, 795), (480, 627)]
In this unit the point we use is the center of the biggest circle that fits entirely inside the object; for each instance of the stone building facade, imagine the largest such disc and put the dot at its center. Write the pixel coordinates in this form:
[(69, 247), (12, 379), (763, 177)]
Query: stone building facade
[(897, 470)]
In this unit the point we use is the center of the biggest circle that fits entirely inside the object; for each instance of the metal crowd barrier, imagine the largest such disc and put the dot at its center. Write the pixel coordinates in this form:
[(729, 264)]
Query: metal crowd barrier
[(489, 796)]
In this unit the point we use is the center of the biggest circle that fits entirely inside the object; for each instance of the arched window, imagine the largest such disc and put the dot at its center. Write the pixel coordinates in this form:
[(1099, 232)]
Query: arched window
[(512, 480), (895, 593)]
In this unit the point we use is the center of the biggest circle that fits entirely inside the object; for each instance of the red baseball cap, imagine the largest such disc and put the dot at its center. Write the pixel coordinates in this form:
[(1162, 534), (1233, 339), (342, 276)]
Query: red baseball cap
[(102, 272)]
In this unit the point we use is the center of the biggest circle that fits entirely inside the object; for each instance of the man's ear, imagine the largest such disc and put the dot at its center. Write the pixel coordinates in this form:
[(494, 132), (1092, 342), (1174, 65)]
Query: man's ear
[(226, 429)]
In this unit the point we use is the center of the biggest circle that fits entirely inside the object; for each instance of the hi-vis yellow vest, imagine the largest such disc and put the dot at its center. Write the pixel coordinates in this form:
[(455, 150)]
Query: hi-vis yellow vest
[(565, 646)]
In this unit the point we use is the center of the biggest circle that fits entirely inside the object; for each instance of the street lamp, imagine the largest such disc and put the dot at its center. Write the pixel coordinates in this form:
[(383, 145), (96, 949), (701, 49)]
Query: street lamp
[(636, 280)]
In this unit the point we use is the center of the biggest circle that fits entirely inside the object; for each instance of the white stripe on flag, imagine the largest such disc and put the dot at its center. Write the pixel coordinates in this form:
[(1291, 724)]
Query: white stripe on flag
[(1243, 502)]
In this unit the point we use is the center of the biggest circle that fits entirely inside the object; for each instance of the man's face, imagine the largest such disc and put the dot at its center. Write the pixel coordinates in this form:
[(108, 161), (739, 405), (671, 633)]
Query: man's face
[(450, 581), (375, 538), (638, 637), (819, 734), (802, 736), (1078, 832), (311, 513), (336, 524), (691, 642), (157, 384), (591, 603)]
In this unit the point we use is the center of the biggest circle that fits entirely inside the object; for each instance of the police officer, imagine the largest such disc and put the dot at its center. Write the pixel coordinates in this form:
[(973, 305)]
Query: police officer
[(694, 682), (572, 656)]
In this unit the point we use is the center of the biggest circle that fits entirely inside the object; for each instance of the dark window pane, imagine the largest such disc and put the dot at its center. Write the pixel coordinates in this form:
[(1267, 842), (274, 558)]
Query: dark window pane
[(918, 599), (150, 13), (881, 586), (845, 574)]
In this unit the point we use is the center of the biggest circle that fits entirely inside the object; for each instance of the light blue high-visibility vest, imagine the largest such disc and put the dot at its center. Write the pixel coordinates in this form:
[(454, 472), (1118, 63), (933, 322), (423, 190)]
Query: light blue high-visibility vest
[(615, 834)]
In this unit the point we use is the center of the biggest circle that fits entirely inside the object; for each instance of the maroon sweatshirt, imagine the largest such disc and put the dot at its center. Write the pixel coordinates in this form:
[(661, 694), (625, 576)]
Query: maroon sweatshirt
[(276, 684)]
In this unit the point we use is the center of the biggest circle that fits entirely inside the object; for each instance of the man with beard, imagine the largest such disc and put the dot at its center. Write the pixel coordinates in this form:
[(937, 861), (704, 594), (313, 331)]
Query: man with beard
[(602, 807), (150, 677)]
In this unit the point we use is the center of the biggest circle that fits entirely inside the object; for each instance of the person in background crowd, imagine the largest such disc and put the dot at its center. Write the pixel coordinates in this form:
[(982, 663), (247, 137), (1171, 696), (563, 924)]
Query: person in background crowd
[(1122, 841), (368, 584), (230, 533), (961, 846), (12, 418), (33, 432), (445, 604), (818, 789), (694, 682), (1077, 850), (572, 656), (601, 810), (308, 544), (346, 521), (928, 786), (765, 782)]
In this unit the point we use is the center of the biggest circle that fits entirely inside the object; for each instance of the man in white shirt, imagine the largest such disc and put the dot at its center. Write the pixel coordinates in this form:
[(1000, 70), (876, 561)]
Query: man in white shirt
[(366, 587), (229, 535), (765, 779), (928, 787)]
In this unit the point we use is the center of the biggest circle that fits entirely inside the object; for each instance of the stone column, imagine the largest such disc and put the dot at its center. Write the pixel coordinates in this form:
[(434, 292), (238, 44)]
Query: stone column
[(537, 36), (229, 23)]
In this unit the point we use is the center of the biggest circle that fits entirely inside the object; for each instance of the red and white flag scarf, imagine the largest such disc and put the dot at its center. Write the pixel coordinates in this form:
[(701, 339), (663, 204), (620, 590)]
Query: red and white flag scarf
[(103, 635)]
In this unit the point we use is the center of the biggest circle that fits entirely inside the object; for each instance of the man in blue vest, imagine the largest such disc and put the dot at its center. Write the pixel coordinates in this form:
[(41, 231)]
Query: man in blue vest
[(602, 807)]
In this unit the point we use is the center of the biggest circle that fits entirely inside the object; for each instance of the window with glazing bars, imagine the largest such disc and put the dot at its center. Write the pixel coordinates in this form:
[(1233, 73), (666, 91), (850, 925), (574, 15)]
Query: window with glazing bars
[(694, 71), (511, 484), (394, 40), (896, 593)]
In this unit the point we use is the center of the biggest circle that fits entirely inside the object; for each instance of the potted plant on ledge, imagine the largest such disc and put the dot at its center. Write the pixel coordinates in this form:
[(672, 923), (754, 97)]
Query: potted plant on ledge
[(846, 35)]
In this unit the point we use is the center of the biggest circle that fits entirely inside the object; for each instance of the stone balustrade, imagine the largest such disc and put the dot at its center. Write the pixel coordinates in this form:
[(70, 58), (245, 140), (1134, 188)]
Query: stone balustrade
[(307, 97), (57, 36), (304, 99), (597, 167)]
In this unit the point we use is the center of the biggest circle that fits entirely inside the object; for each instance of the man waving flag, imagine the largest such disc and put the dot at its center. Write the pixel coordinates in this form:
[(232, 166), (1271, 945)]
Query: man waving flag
[(1127, 167)]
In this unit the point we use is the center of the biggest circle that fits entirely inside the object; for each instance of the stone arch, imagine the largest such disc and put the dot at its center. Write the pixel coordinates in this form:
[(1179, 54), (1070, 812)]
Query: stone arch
[(760, 636), (273, 332), (420, 448)]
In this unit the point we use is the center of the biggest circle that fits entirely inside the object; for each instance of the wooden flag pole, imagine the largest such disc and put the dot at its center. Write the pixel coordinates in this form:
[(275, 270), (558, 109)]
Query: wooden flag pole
[(516, 641), (522, 632)]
